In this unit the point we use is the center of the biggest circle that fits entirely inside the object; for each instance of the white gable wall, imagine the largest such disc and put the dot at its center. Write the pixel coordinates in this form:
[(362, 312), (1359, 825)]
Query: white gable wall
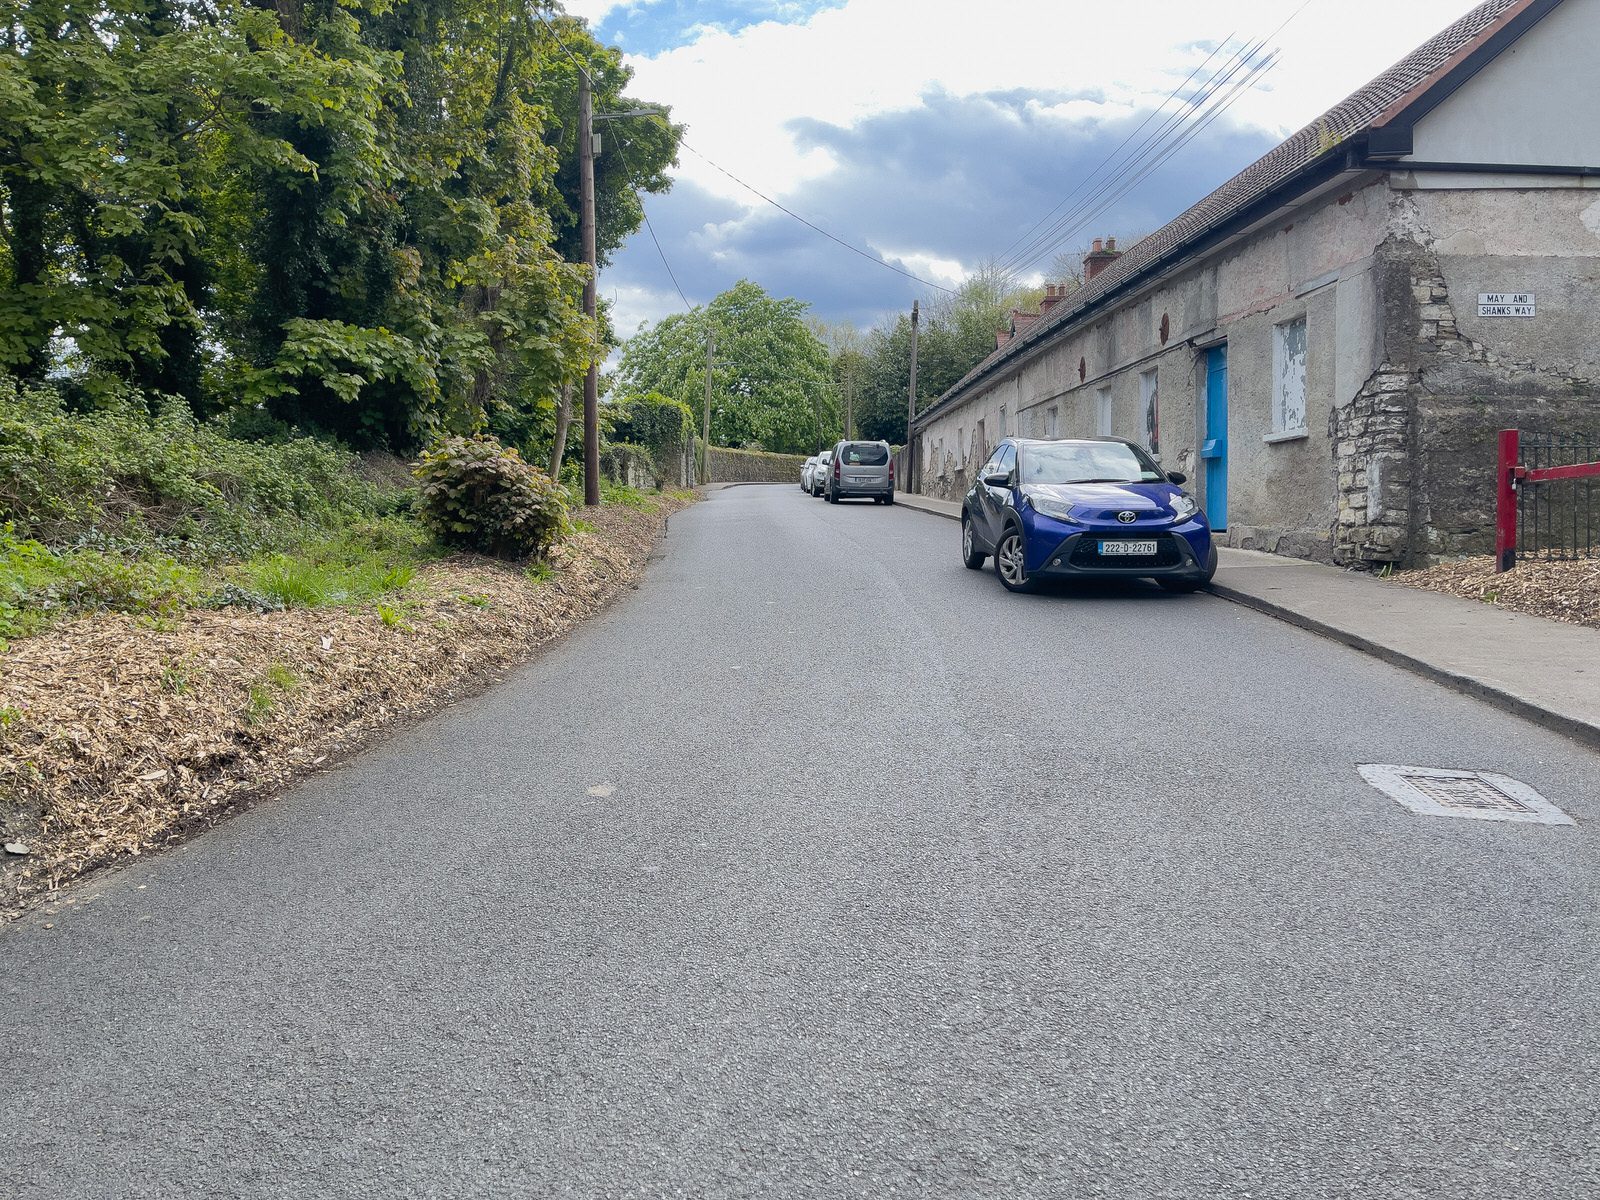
[(1536, 103)]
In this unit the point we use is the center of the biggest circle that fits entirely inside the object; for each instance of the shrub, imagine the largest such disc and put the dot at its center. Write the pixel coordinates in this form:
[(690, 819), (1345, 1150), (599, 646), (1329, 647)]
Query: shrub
[(121, 477), (659, 423), (481, 495)]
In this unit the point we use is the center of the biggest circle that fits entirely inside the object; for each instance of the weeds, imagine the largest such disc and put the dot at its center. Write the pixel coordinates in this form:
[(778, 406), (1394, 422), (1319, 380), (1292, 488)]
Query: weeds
[(275, 681), (539, 572)]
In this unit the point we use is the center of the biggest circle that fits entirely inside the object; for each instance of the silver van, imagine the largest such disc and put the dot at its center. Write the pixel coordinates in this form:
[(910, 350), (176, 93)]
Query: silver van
[(860, 469)]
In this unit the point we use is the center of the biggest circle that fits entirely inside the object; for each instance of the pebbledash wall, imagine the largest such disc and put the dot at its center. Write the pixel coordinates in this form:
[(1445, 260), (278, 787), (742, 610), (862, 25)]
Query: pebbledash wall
[(1404, 383)]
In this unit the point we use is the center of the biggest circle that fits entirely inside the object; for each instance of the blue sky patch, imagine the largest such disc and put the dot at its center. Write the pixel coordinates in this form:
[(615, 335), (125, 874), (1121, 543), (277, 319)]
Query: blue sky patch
[(651, 27)]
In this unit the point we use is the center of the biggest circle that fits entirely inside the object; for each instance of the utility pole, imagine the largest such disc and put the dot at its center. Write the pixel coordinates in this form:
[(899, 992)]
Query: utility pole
[(849, 402), (705, 415), (591, 381), (911, 408)]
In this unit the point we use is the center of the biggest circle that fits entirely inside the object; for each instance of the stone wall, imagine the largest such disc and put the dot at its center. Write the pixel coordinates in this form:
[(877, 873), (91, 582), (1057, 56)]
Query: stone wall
[(753, 466), (1414, 451)]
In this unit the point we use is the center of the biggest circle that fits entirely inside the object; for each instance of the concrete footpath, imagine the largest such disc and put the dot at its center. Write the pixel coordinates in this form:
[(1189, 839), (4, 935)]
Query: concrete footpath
[(1543, 670)]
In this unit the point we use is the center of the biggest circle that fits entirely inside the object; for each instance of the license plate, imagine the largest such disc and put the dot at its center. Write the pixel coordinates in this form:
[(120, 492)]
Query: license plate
[(1112, 549)]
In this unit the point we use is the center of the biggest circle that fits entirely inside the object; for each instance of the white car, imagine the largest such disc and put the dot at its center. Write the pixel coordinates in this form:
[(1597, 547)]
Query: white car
[(805, 473), (819, 473)]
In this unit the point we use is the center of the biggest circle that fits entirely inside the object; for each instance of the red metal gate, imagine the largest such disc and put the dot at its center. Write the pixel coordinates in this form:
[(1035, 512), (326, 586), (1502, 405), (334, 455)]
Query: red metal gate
[(1548, 500)]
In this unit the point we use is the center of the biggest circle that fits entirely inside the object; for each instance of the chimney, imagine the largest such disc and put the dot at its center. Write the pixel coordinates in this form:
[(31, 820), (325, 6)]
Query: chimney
[(1001, 337), (1052, 297), (1102, 256)]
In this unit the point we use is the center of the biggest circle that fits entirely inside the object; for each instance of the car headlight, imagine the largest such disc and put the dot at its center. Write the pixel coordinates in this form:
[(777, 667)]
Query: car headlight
[(1184, 507), (1056, 509)]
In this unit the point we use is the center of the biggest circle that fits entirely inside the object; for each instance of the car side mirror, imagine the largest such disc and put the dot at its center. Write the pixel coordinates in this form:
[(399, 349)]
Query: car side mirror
[(1177, 477), (997, 479)]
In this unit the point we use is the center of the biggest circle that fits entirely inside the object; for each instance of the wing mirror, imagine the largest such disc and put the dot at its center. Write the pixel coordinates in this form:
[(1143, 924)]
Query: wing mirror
[(1177, 477), (997, 479)]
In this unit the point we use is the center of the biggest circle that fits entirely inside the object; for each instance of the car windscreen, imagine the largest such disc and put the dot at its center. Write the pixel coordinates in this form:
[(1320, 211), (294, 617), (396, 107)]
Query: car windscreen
[(1087, 462), (864, 454)]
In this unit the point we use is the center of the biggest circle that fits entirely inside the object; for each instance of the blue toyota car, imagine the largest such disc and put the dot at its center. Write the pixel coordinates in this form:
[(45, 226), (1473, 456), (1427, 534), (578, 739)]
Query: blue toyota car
[(1084, 508)]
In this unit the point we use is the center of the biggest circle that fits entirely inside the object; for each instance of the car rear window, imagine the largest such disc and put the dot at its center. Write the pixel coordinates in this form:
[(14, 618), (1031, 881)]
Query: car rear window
[(864, 454)]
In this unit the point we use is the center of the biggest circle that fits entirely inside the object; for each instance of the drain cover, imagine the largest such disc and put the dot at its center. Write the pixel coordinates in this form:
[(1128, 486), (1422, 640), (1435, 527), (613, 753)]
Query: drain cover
[(1481, 795)]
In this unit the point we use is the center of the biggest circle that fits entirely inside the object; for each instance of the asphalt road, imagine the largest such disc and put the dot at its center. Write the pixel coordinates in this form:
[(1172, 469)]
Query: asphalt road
[(820, 866)]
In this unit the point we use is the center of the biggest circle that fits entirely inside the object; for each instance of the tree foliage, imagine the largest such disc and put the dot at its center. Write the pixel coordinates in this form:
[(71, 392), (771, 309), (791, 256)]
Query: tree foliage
[(356, 214), (772, 387), (955, 333)]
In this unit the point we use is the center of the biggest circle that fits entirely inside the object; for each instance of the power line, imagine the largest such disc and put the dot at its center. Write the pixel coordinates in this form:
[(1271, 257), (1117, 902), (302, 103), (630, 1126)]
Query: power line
[(1152, 144), (627, 170), (853, 249), (1161, 144), (1137, 170), (1110, 157)]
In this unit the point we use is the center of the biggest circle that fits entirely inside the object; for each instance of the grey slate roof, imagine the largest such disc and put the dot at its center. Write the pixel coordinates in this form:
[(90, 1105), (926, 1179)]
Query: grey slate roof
[(1377, 103)]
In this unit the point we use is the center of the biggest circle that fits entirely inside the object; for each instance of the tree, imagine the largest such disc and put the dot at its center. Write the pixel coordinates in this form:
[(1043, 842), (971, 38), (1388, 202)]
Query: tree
[(956, 333), (356, 214), (772, 388)]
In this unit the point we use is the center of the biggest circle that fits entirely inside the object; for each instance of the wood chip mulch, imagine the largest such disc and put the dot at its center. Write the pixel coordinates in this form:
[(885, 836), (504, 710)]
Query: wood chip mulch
[(1561, 591), (118, 734)]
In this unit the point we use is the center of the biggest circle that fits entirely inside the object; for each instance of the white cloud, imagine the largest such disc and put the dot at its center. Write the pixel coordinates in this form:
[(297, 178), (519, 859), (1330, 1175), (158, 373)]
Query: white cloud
[(753, 101), (737, 92)]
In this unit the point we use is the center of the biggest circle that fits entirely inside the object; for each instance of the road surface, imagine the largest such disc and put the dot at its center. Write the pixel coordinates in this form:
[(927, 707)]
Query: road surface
[(822, 867)]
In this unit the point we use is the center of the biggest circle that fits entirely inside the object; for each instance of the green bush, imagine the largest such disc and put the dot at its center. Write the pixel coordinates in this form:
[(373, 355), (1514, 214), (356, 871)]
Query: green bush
[(481, 495), (123, 478), (659, 423), (38, 585)]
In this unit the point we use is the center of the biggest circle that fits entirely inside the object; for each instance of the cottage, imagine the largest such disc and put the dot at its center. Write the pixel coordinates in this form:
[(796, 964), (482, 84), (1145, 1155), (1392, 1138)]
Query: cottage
[(1327, 343)]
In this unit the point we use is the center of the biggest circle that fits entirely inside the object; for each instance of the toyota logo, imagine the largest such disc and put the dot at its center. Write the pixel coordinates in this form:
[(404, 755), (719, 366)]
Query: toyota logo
[(1127, 518)]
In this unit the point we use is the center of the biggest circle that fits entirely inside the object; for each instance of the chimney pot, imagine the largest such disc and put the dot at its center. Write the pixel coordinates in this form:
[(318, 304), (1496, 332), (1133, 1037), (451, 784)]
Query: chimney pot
[(1098, 246), (1111, 244)]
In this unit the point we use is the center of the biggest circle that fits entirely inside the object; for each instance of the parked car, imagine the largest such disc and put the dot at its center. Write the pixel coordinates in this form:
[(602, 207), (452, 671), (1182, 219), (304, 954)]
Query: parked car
[(1091, 507), (824, 461), (805, 473), (860, 469)]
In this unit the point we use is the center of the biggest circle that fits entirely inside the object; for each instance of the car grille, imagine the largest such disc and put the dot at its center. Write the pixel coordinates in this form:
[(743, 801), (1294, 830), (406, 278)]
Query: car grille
[(1087, 552)]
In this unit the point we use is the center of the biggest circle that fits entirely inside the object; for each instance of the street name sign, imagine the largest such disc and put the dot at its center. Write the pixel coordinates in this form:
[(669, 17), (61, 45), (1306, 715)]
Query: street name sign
[(1505, 304)]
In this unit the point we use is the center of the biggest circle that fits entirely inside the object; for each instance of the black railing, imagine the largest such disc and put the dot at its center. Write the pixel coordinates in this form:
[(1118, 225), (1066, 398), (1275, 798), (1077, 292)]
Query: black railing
[(1558, 518)]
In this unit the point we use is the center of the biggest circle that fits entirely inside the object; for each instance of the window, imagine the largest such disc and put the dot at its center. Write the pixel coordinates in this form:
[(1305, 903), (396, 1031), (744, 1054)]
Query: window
[(961, 447), (1289, 377), (1102, 411), (1052, 422), (1008, 459), (865, 454), (938, 458), (1151, 404), (1088, 462), (1002, 420)]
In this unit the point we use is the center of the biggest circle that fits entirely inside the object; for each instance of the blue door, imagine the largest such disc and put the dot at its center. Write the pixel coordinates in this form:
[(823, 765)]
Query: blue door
[(1214, 446)]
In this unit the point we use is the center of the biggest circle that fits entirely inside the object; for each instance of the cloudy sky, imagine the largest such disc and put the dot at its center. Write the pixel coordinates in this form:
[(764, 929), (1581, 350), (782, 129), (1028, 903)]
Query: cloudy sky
[(933, 134)]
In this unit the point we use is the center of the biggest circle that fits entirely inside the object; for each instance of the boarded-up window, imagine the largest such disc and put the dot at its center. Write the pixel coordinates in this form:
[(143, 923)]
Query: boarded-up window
[(1289, 377), (1052, 422), (1102, 412), (1150, 402), (1002, 420)]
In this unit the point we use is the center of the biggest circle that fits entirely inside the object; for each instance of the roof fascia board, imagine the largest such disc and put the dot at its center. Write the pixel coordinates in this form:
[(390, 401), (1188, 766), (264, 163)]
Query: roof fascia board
[(1296, 192), (1391, 132)]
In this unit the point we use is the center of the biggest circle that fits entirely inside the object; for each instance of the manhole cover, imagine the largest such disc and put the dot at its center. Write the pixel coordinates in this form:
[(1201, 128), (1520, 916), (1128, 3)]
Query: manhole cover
[(1481, 795)]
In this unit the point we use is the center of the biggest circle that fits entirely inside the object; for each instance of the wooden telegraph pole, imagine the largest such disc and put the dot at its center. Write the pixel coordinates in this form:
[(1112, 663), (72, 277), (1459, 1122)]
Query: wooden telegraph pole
[(591, 381), (911, 408), (705, 415)]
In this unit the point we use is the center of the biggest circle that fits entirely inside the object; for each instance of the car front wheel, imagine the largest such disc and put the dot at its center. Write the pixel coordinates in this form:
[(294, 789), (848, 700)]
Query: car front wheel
[(1010, 561), (970, 554)]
